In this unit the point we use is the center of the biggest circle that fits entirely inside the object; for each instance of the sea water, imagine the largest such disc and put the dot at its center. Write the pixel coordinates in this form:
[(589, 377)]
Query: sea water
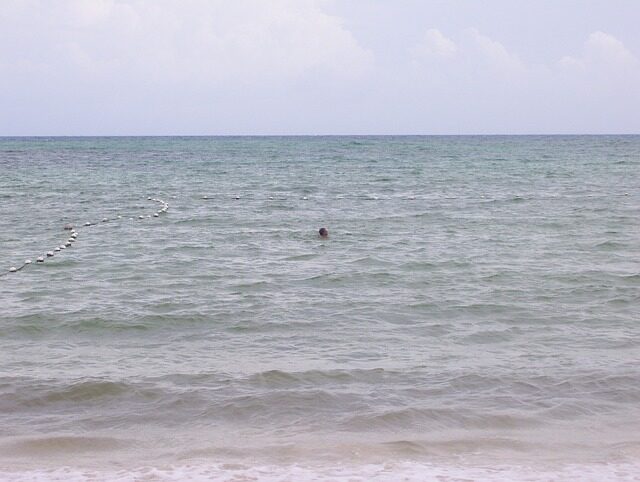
[(474, 313)]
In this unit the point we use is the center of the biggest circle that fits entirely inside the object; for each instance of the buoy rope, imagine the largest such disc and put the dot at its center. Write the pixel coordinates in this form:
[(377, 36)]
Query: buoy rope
[(74, 235)]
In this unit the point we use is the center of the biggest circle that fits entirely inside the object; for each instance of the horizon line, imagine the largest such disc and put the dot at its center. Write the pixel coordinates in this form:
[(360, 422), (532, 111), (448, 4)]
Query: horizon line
[(3, 136)]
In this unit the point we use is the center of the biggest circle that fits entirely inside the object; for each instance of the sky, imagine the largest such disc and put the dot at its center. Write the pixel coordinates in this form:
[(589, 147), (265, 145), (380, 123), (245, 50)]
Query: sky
[(289, 67)]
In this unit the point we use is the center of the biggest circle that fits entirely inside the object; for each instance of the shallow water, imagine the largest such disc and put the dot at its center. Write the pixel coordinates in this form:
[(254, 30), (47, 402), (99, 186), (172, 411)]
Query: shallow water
[(474, 308)]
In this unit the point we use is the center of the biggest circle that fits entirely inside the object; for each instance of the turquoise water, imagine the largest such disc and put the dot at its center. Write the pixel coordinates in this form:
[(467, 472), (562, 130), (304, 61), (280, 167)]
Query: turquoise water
[(475, 306)]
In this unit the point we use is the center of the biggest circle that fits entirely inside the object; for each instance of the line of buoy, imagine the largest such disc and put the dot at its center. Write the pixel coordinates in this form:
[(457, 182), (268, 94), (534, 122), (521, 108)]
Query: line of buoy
[(164, 209), (74, 235)]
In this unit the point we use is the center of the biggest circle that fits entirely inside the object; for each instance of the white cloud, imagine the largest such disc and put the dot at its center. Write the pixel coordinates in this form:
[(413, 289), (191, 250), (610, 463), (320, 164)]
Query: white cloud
[(434, 44), (187, 41), (479, 53), (486, 82), (491, 52), (601, 51)]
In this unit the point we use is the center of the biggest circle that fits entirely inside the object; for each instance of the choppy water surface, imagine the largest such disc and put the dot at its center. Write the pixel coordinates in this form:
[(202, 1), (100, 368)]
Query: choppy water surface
[(476, 305)]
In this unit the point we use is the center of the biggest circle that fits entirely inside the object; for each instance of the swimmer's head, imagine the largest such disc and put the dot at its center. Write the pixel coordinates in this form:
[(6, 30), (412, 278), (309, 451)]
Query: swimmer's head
[(323, 232)]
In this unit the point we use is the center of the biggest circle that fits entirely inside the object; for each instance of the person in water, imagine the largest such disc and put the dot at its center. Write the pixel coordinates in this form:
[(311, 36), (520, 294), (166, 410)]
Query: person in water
[(323, 232)]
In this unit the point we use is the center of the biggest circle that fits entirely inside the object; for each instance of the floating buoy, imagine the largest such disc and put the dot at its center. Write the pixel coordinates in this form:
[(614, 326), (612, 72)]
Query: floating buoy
[(74, 234), (237, 197), (304, 198), (205, 197), (148, 199), (271, 197)]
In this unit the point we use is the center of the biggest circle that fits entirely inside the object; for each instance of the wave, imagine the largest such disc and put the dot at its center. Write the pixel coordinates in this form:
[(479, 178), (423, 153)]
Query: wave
[(432, 418), (600, 390), (278, 378), (42, 394), (43, 446), (611, 245)]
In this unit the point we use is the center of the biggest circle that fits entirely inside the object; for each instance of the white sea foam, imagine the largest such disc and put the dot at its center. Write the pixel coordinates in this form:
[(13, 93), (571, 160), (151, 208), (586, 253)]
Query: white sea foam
[(390, 472)]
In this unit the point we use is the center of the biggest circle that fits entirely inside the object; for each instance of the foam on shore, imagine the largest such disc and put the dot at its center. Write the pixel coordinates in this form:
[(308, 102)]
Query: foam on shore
[(389, 472)]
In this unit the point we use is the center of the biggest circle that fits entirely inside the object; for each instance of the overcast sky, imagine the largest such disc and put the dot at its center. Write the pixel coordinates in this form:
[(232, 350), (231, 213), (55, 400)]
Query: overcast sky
[(162, 67)]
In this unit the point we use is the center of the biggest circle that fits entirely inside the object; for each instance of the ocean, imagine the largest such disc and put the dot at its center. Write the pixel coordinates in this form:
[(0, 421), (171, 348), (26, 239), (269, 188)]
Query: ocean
[(474, 313)]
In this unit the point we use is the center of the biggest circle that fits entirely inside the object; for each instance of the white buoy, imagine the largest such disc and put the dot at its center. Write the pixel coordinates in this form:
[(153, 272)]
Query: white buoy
[(68, 245), (119, 217), (305, 198), (49, 254), (104, 220), (57, 250), (205, 197), (141, 217), (155, 215), (271, 197), (237, 197), (13, 269), (71, 240), (87, 224), (27, 261), (62, 246), (40, 259), (149, 199), (74, 235)]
